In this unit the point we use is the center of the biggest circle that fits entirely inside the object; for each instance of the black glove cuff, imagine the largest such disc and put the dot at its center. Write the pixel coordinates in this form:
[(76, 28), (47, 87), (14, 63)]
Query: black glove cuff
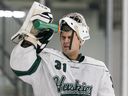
[(26, 44)]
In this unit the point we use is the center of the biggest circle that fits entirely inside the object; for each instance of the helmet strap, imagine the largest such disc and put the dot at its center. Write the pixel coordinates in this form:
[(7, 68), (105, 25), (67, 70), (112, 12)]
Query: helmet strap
[(71, 40)]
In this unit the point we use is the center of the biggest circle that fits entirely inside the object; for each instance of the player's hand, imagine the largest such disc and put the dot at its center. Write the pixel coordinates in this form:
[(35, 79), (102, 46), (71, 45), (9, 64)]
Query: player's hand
[(38, 38), (44, 35)]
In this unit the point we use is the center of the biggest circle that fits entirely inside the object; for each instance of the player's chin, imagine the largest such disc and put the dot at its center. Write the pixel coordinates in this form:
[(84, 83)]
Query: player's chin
[(67, 51)]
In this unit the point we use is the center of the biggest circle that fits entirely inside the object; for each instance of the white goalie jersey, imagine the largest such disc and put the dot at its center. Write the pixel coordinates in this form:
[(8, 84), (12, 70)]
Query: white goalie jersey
[(52, 74)]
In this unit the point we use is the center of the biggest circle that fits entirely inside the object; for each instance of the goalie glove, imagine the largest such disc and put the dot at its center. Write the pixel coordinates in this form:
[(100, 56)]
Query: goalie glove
[(39, 41), (39, 37), (36, 12)]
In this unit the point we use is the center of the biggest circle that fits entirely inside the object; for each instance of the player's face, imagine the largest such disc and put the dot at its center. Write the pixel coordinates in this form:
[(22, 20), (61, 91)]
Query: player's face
[(65, 43)]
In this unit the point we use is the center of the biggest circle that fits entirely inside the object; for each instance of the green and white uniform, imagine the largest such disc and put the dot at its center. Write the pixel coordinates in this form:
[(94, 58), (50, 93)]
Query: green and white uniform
[(51, 73)]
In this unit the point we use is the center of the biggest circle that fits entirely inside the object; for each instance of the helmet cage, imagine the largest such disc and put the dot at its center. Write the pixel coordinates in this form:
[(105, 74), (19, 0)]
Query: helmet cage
[(80, 28)]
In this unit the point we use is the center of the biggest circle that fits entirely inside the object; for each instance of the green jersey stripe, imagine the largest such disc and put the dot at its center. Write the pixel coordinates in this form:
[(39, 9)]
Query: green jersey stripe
[(31, 70)]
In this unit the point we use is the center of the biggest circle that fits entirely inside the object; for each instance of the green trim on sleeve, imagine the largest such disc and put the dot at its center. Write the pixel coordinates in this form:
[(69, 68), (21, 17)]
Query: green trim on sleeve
[(31, 70)]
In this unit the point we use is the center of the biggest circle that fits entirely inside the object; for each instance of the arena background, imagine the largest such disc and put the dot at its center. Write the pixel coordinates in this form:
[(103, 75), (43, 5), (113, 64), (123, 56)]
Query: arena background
[(108, 21)]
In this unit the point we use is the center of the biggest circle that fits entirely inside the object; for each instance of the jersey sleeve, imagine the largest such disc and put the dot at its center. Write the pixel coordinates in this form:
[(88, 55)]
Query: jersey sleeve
[(24, 62), (106, 86)]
